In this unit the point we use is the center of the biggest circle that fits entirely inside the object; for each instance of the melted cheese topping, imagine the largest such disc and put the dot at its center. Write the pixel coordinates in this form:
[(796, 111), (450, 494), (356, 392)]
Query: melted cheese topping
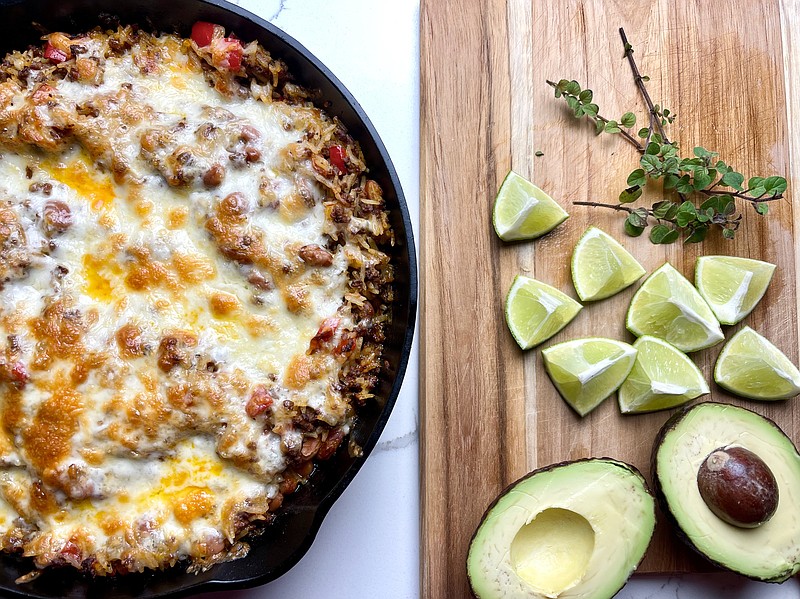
[(174, 271)]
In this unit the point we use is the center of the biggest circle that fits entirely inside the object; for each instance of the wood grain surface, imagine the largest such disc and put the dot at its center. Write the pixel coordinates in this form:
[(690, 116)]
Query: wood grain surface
[(489, 414)]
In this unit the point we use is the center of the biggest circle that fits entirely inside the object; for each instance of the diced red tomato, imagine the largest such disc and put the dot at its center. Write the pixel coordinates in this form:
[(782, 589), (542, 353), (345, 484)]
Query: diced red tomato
[(202, 33), (325, 333), (260, 401), (53, 54), (226, 53), (337, 158), (233, 56), (19, 374), (347, 343)]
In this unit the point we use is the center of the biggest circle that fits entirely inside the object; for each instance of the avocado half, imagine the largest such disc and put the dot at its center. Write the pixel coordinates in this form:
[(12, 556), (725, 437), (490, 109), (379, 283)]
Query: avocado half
[(575, 530), (769, 552)]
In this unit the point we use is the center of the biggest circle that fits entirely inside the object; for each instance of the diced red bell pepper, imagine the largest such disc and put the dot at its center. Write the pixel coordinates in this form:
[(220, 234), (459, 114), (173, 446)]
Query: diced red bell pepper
[(202, 33), (53, 54), (337, 158)]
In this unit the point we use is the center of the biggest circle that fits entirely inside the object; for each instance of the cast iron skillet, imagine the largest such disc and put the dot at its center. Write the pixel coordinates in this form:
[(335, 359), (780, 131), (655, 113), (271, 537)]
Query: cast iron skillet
[(284, 542)]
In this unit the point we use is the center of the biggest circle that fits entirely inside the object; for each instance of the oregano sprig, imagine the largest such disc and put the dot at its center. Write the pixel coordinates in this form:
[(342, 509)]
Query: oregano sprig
[(701, 190)]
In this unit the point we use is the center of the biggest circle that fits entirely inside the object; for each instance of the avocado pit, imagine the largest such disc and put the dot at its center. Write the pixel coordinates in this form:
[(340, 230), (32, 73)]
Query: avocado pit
[(551, 553), (738, 487)]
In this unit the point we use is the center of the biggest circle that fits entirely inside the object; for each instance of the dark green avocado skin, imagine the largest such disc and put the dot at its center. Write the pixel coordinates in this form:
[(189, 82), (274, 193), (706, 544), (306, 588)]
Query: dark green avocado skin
[(547, 468), (663, 505)]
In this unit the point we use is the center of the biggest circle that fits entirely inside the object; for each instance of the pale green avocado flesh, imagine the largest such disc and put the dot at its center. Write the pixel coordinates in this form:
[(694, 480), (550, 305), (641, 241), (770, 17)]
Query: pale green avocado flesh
[(770, 552), (574, 530)]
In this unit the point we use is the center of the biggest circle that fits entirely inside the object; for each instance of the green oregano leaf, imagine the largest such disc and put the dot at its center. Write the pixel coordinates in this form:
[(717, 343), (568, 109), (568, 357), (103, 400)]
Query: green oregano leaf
[(684, 185), (661, 209), (652, 148), (701, 180), (726, 205), (631, 229), (639, 217), (698, 234), (599, 126), (686, 214), (631, 194), (663, 234), (774, 185), (573, 87), (637, 177), (733, 179), (670, 180), (650, 164)]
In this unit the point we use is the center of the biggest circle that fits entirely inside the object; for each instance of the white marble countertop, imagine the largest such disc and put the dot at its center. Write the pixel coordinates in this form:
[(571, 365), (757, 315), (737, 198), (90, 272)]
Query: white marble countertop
[(368, 546)]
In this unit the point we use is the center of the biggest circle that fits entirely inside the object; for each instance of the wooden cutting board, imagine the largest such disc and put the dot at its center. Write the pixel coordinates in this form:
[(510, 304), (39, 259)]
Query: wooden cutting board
[(489, 414)]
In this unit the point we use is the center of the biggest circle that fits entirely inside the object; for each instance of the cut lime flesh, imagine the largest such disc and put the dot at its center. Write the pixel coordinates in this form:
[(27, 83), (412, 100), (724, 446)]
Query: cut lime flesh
[(732, 286), (587, 371), (662, 377), (668, 306), (750, 366), (523, 211), (536, 311), (601, 267)]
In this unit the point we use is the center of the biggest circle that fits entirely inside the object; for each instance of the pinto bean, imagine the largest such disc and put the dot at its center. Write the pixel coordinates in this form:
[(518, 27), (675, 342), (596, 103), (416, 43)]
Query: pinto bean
[(250, 133), (214, 175), (330, 444), (310, 447), (252, 154), (57, 217), (259, 281), (315, 255), (88, 70)]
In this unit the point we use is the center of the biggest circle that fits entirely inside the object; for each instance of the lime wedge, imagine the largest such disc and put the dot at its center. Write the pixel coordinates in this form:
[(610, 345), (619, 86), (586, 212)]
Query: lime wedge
[(662, 377), (523, 211), (601, 267), (668, 306), (587, 371), (752, 367), (732, 286), (536, 311)]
